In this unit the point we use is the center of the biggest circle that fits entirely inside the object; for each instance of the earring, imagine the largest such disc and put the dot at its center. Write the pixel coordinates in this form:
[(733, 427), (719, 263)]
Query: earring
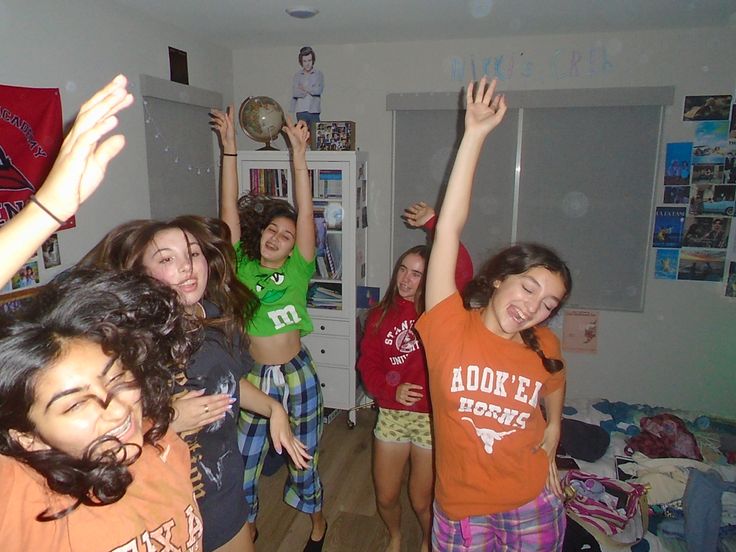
[(496, 283)]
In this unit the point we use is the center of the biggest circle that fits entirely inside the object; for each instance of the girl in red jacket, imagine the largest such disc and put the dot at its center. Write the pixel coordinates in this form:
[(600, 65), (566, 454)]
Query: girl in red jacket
[(394, 372)]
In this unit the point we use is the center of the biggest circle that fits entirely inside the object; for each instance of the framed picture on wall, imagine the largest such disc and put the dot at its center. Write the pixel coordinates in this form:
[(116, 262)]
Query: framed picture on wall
[(15, 300)]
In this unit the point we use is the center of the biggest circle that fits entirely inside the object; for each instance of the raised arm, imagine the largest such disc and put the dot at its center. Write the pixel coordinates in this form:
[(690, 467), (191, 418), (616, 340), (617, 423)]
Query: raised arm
[(299, 137), (76, 174), (421, 215), (222, 123), (484, 112)]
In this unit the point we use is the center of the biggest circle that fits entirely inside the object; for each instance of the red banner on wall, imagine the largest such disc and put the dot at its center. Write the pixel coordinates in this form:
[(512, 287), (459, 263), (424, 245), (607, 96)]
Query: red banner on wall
[(30, 138)]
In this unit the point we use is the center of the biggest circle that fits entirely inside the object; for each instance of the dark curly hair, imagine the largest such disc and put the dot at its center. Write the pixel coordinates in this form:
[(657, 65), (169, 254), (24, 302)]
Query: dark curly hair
[(123, 248), (256, 212), (133, 318), (517, 259), (392, 292)]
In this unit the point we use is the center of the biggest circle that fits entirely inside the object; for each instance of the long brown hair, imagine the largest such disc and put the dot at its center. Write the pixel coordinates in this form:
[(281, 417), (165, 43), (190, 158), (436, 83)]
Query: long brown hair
[(392, 292), (517, 259), (124, 246)]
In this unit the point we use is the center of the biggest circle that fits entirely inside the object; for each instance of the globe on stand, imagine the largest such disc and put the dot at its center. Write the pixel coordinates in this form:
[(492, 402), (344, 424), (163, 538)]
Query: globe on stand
[(261, 118)]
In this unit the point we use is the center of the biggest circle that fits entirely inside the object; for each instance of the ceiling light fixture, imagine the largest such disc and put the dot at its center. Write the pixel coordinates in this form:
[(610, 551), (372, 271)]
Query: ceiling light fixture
[(302, 12)]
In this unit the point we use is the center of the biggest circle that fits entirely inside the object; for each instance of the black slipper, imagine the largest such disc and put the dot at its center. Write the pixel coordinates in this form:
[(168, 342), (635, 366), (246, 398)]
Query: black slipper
[(316, 546)]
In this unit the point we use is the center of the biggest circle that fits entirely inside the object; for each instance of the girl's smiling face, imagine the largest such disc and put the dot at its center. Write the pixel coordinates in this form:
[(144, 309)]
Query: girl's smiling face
[(175, 258), (409, 276), (277, 242), (522, 301), (81, 397)]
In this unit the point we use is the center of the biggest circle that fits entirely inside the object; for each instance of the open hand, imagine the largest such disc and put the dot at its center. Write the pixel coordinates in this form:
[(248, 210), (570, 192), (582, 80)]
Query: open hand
[(298, 135), (485, 109), (222, 123), (195, 410), (83, 159), (283, 438), (418, 214)]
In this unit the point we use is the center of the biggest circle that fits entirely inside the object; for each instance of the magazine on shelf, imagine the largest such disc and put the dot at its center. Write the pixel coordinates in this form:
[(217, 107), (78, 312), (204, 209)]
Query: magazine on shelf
[(329, 184), (324, 296)]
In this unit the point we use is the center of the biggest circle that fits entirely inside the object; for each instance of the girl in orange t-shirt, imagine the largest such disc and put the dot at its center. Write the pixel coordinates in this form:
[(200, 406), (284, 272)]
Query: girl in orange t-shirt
[(87, 458), (490, 369)]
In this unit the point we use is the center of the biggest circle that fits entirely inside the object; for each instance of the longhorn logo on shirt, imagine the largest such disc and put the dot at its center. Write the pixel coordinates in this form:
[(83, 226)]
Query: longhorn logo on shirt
[(488, 436)]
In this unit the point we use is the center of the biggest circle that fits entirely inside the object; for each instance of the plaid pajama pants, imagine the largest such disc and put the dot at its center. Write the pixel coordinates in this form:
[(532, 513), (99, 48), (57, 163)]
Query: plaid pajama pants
[(537, 526), (294, 384)]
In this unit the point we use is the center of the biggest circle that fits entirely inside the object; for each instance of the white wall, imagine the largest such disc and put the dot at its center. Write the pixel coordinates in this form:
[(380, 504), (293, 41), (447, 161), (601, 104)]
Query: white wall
[(679, 352), (79, 45)]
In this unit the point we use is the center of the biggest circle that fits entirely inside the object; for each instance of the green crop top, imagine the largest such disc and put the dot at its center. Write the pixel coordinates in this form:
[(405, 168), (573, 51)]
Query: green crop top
[(282, 293)]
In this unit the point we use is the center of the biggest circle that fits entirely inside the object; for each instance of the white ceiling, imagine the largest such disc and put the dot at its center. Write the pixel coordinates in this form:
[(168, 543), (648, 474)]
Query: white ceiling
[(237, 24)]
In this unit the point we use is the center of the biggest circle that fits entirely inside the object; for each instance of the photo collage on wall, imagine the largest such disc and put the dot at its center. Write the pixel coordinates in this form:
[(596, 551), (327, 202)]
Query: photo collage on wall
[(693, 224)]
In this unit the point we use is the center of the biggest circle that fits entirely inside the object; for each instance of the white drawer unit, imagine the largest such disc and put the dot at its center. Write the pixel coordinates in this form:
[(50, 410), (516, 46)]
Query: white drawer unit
[(328, 349), (334, 383), (327, 326)]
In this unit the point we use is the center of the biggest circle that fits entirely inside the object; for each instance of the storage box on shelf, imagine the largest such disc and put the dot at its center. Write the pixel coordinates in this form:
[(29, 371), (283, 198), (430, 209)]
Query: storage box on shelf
[(339, 189)]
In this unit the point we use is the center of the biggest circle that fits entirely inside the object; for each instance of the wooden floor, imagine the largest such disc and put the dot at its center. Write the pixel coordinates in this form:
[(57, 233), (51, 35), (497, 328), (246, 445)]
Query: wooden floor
[(349, 499)]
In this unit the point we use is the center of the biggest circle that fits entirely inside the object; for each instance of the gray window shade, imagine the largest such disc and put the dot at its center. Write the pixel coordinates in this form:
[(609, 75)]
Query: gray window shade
[(585, 185), (586, 190), (425, 147)]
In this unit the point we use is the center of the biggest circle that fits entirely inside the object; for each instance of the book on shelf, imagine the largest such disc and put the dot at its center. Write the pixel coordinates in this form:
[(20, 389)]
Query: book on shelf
[(270, 182), (334, 249), (322, 270), (329, 184), (324, 296)]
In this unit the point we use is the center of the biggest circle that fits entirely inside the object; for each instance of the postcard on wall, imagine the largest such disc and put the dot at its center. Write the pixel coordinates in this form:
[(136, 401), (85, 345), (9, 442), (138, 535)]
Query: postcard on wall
[(709, 232), (580, 331), (705, 265), (676, 194), (731, 281), (677, 164), (706, 108), (668, 225), (665, 266), (50, 250), (367, 296), (732, 128)]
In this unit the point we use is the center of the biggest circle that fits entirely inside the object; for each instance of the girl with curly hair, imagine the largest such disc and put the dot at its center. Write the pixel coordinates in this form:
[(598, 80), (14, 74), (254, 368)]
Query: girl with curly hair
[(275, 251), (87, 458), (193, 256), (492, 366)]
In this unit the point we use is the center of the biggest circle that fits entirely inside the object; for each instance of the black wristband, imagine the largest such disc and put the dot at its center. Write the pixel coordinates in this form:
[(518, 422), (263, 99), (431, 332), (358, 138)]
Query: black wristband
[(34, 199), (230, 154)]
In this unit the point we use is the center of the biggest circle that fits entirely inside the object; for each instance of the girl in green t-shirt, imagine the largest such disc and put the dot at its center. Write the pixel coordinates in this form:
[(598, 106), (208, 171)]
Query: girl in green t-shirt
[(275, 249)]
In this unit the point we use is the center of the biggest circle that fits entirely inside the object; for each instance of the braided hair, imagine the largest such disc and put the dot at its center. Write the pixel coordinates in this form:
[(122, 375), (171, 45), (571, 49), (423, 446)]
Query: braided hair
[(518, 259)]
